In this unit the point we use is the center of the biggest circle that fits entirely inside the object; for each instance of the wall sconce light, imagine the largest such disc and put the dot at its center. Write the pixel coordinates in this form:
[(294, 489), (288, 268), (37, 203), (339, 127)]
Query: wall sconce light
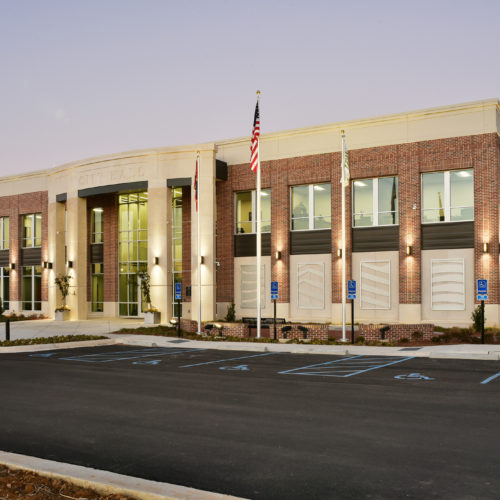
[(278, 255), (47, 265), (157, 260), (173, 321), (202, 259), (70, 263), (409, 249), (339, 252), (13, 265), (486, 247)]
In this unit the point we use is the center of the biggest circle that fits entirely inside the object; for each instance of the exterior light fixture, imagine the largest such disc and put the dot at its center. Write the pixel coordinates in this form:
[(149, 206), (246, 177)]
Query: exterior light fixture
[(157, 260), (12, 265), (202, 259), (339, 252), (47, 265), (173, 321), (409, 249), (278, 255), (486, 247), (70, 263)]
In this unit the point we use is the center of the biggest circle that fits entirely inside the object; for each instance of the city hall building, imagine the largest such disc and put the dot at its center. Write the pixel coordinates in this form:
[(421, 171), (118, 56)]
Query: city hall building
[(422, 216)]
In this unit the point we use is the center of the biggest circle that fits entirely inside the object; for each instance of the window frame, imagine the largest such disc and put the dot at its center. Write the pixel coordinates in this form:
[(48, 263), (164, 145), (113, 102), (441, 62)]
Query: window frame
[(375, 202), (34, 236), (447, 208), (93, 232), (4, 241), (311, 217), (254, 211)]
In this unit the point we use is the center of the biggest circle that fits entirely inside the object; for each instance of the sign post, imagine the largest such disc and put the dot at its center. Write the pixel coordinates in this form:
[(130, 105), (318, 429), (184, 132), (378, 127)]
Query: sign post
[(274, 298), (482, 295), (178, 298), (351, 295)]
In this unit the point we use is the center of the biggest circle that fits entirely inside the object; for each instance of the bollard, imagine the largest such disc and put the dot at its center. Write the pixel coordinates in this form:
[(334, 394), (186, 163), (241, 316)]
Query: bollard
[(7, 329)]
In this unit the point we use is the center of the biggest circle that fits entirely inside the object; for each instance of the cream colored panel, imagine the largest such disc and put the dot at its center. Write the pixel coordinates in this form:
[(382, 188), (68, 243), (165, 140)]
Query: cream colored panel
[(310, 288), (447, 282), (245, 283), (377, 280), (442, 277)]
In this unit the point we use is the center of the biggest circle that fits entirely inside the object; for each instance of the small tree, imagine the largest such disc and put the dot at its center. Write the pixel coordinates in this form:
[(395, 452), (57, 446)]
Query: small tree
[(146, 288), (231, 315), (477, 318), (62, 282)]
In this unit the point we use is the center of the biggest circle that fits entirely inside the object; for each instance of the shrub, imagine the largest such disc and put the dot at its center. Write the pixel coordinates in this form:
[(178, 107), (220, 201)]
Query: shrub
[(436, 339), (360, 340), (417, 335), (231, 314), (477, 318), (404, 340)]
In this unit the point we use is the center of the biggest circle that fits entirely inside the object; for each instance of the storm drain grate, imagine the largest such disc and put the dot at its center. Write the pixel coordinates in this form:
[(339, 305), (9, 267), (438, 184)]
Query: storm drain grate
[(410, 349), (177, 341)]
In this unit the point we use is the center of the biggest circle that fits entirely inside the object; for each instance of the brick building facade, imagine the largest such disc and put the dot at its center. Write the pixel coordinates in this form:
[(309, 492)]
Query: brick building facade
[(418, 266)]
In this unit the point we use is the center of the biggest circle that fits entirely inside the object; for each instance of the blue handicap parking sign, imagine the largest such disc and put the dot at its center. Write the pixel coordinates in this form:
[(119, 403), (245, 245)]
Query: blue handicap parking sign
[(178, 291), (274, 290), (482, 286), (351, 287)]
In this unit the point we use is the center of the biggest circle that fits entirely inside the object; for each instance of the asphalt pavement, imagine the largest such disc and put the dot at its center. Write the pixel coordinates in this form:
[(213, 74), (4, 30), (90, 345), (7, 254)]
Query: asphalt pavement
[(261, 423)]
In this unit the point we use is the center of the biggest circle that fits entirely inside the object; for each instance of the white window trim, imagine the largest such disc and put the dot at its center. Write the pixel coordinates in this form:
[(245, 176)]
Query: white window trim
[(2, 224), (374, 202), (311, 215), (447, 197), (254, 211)]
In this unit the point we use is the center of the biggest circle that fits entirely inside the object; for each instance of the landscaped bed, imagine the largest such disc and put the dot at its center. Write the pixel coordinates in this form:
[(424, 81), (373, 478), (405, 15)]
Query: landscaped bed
[(442, 336), (51, 340), (18, 483)]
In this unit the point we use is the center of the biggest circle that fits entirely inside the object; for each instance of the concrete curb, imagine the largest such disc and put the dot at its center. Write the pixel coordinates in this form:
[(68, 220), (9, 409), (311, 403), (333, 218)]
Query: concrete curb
[(108, 483), (59, 345)]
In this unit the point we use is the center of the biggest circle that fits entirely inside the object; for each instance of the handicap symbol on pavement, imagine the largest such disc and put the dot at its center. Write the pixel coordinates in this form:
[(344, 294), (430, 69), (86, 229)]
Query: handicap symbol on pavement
[(413, 376), (239, 367), (149, 362)]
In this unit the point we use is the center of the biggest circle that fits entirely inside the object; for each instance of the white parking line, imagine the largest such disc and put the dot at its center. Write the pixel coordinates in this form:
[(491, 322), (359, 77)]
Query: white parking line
[(230, 359), (346, 367), (106, 357), (489, 379)]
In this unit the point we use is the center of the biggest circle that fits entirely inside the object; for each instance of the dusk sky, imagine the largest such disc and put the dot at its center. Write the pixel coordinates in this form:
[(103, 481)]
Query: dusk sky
[(85, 78)]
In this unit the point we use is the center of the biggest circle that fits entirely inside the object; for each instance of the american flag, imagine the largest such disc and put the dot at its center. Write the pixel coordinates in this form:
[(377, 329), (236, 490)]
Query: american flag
[(254, 147), (196, 185)]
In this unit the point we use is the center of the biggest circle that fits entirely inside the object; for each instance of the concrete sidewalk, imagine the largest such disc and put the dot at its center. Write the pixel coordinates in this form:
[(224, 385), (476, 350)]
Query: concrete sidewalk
[(50, 328)]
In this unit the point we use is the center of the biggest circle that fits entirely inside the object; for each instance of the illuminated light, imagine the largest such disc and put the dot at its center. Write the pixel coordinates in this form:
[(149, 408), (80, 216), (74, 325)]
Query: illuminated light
[(360, 183), (278, 255), (98, 210), (486, 247), (464, 173), (157, 261), (339, 252), (318, 188), (409, 250), (263, 193)]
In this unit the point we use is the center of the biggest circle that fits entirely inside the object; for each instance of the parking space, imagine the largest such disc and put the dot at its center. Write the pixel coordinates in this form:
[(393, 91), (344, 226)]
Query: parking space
[(359, 369)]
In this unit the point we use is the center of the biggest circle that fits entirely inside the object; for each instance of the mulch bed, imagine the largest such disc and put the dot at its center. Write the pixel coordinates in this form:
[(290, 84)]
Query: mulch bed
[(17, 484)]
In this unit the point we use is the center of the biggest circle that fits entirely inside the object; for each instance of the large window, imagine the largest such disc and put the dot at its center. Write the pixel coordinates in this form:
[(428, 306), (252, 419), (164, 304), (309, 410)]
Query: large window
[(448, 196), (32, 288), (97, 225), (97, 288), (4, 233), (375, 202), (4, 287), (132, 251), (32, 230), (176, 246), (246, 208), (311, 207)]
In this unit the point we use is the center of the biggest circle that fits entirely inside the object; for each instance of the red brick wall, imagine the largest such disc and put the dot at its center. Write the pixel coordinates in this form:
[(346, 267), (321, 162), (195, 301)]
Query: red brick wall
[(109, 203), (407, 161), (396, 332)]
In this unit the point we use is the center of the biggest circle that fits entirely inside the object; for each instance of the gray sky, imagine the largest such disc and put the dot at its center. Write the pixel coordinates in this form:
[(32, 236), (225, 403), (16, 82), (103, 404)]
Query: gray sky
[(81, 78)]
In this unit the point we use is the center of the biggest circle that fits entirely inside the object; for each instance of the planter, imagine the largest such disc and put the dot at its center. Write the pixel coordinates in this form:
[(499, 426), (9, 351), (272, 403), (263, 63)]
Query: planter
[(152, 318), (62, 315)]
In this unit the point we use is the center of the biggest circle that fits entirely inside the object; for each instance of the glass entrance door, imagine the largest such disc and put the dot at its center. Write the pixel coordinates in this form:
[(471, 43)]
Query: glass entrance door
[(132, 251)]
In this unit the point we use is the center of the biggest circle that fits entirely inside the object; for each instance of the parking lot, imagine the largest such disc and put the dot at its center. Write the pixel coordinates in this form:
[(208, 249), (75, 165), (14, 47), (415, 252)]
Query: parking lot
[(261, 424)]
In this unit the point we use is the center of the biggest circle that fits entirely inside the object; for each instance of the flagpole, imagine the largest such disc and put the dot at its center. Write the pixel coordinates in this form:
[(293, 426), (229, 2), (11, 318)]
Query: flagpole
[(343, 183), (199, 241), (259, 312)]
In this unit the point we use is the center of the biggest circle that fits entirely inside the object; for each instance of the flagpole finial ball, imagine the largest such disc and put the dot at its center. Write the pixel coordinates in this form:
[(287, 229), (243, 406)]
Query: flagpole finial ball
[(197, 152), (258, 92), (342, 131)]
